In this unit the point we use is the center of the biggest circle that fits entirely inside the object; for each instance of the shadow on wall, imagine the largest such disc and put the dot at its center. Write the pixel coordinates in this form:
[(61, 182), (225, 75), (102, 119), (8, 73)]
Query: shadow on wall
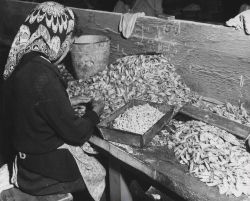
[(6, 35), (4, 148)]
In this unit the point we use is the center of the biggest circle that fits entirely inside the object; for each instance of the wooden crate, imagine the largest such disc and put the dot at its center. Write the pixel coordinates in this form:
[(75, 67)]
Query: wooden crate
[(130, 138)]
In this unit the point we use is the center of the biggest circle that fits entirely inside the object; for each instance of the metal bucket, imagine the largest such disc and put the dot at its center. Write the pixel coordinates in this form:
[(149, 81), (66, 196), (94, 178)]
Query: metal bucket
[(90, 54)]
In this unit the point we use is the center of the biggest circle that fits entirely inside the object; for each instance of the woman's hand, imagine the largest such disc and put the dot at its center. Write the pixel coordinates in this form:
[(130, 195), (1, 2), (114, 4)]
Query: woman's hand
[(79, 99), (98, 106)]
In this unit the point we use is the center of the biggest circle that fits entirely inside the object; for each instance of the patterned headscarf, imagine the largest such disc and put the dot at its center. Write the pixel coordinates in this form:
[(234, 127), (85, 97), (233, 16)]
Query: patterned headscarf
[(48, 30)]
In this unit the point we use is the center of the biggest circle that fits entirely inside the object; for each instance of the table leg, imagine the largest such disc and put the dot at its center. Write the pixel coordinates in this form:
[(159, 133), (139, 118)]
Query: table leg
[(119, 190)]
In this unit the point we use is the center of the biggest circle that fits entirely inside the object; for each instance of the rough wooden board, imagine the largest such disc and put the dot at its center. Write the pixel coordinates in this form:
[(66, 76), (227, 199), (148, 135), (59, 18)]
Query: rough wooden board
[(178, 32), (213, 75), (159, 164), (211, 118), (193, 34)]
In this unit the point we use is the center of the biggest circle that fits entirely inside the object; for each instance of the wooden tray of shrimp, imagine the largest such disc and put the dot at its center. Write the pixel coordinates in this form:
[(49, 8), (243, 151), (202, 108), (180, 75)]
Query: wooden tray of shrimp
[(136, 123)]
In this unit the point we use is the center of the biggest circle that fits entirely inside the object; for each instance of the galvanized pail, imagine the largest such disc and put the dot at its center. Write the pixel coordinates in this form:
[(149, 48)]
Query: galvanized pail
[(90, 54)]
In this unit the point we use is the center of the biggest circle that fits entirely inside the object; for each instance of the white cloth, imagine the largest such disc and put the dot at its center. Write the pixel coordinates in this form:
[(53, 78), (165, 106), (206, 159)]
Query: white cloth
[(88, 148), (241, 21), (127, 23), (93, 173), (5, 178)]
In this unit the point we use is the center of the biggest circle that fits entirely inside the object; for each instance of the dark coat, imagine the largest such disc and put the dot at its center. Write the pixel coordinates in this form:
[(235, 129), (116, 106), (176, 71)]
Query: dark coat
[(39, 118)]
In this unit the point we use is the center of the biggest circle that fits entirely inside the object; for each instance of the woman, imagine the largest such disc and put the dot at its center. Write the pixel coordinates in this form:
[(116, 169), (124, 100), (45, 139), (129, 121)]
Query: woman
[(46, 134)]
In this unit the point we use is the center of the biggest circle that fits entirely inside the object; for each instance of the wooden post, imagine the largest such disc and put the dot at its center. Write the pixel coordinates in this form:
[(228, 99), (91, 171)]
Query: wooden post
[(119, 190)]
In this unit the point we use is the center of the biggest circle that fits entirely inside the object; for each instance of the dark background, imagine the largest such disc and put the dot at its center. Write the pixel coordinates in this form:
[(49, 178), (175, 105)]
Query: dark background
[(216, 11), (4, 49)]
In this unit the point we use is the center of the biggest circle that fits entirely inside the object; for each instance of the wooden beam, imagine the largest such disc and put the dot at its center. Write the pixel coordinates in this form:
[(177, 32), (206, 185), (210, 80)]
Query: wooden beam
[(211, 118), (119, 190), (114, 180)]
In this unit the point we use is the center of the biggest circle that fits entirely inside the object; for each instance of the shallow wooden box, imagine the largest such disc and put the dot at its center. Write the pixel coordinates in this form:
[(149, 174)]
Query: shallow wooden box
[(130, 138)]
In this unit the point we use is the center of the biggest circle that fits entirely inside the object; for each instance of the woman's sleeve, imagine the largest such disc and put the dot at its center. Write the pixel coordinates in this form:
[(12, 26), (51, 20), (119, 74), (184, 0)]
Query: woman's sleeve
[(56, 110)]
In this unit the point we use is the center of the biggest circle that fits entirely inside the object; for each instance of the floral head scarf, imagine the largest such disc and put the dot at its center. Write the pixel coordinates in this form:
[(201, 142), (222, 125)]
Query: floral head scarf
[(48, 30)]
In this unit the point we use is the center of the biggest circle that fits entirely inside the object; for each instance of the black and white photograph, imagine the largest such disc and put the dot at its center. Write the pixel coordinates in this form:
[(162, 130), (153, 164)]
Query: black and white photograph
[(124, 100)]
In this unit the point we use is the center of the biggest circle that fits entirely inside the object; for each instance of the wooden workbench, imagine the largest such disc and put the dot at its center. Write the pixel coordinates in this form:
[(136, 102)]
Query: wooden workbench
[(158, 163)]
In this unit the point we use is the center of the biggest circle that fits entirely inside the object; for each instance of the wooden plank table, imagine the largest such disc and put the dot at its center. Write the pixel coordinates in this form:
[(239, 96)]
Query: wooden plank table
[(158, 163)]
